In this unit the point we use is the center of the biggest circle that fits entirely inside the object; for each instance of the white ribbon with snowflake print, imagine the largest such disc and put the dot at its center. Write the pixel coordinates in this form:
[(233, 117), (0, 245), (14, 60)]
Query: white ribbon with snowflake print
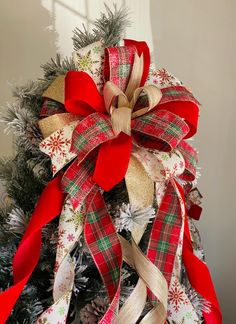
[(70, 229)]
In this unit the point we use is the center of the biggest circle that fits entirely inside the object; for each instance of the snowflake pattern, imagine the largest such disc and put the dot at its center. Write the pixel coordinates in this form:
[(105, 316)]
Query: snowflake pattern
[(85, 62), (70, 237), (90, 59), (77, 218), (162, 78), (57, 146), (176, 296)]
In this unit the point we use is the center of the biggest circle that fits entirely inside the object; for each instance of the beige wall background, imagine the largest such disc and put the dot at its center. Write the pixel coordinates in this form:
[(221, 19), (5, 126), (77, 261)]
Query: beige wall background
[(195, 40)]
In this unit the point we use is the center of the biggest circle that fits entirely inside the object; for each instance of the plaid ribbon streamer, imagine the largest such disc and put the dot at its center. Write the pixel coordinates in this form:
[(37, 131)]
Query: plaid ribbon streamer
[(165, 233), (77, 180), (191, 160), (104, 245), (160, 125), (177, 93), (118, 64)]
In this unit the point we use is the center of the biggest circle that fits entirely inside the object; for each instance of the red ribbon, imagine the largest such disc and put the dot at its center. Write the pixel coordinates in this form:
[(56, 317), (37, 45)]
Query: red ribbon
[(27, 256), (199, 275)]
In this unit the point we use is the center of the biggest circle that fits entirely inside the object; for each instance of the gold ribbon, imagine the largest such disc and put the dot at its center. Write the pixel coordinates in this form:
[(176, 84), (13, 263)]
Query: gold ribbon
[(122, 114), (140, 189)]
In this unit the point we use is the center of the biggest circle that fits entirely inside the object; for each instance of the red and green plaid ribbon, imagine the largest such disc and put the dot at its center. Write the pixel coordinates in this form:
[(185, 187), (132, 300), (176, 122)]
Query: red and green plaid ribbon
[(118, 64), (165, 234), (104, 245)]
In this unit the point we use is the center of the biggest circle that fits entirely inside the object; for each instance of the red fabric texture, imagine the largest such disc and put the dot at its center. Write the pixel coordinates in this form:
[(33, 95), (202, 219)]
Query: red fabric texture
[(28, 253), (199, 275)]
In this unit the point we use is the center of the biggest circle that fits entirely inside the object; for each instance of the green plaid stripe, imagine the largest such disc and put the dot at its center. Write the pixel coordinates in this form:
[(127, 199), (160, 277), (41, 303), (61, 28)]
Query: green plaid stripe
[(163, 246), (120, 60), (104, 245), (177, 93), (92, 131), (191, 159), (77, 180), (170, 219), (165, 233), (162, 126)]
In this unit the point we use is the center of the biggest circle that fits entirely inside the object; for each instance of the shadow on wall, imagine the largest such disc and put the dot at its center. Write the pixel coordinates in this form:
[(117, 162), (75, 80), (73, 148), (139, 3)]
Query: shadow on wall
[(27, 41)]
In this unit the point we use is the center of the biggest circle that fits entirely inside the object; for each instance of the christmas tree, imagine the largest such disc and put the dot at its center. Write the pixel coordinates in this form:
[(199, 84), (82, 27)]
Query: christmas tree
[(70, 283)]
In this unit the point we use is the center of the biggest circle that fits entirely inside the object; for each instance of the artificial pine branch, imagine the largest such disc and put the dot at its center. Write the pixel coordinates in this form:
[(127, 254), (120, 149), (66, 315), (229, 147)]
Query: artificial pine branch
[(109, 28), (56, 67)]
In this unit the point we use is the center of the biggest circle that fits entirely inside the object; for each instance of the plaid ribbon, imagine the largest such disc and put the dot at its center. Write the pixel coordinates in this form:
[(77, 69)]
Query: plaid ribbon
[(118, 64), (163, 126), (191, 160), (165, 233), (104, 245), (177, 93)]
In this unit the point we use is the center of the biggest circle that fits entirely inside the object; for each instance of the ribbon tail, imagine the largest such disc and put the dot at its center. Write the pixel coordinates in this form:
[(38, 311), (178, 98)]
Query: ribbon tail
[(199, 275), (165, 232), (104, 245), (200, 278), (28, 253)]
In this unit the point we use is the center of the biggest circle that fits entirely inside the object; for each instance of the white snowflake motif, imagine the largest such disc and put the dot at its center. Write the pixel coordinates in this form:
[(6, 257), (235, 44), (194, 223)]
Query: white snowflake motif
[(56, 144)]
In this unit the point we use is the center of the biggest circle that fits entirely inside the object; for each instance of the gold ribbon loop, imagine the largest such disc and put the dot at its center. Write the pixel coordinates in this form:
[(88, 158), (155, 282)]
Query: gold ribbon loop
[(125, 110), (136, 76)]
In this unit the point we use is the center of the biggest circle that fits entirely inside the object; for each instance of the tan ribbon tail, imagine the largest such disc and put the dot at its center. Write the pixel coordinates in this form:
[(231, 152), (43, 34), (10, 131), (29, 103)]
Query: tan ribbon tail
[(139, 185), (135, 77), (133, 307), (151, 275), (156, 316), (52, 123)]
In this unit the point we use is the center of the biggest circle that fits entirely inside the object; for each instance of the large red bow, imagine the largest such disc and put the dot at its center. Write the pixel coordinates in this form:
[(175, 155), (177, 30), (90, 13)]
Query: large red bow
[(82, 98)]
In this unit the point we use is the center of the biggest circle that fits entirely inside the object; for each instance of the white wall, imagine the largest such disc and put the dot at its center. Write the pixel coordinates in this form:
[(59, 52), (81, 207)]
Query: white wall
[(196, 41), (193, 39)]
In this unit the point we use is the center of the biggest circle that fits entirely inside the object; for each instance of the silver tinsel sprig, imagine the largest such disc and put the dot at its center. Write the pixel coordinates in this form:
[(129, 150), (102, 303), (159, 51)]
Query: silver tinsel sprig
[(199, 303), (18, 221), (80, 281), (130, 216)]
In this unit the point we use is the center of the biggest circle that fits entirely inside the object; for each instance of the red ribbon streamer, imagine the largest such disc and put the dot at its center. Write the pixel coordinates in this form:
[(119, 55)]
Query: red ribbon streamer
[(27, 256), (199, 275)]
